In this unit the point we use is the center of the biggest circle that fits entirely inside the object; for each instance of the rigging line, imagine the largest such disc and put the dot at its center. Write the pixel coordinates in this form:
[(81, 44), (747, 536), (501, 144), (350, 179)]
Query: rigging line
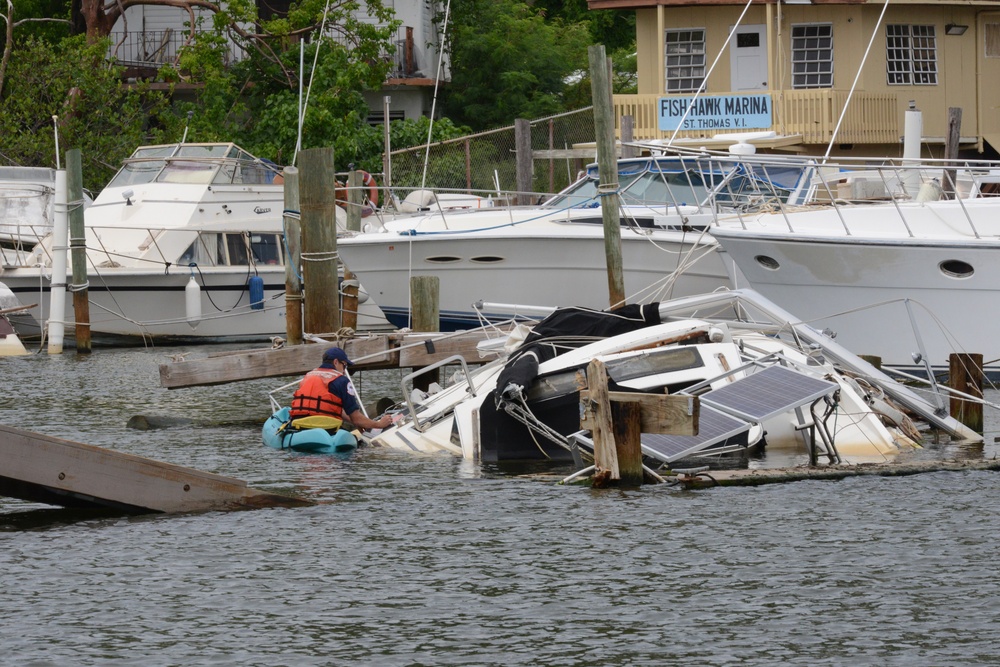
[(437, 81), (304, 105), (857, 75), (710, 70)]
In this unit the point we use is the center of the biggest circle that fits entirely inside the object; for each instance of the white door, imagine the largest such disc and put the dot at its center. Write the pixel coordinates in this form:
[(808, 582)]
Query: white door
[(748, 58)]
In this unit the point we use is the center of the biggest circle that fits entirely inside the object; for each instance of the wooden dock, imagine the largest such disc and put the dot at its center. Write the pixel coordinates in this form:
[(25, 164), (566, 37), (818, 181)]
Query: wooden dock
[(49, 470), (395, 350)]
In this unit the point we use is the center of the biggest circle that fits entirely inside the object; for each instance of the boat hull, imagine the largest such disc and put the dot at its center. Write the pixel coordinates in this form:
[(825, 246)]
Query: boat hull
[(532, 269), (868, 290), (131, 306)]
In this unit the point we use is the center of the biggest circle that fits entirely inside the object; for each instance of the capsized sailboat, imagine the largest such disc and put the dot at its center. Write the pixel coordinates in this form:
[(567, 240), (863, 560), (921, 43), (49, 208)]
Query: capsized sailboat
[(762, 379)]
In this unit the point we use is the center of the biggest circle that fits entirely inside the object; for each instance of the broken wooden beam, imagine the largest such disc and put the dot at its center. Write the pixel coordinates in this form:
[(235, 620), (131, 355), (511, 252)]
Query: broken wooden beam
[(395, 350), (45, 469)]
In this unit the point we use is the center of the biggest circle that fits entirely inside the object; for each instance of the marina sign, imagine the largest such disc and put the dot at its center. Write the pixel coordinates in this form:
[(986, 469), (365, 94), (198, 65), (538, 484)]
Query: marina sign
[(723, 112)]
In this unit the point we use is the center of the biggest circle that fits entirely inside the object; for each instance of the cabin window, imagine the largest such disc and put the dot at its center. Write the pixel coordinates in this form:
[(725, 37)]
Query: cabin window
[(685, 60), (266, 248), (991, 33), (201, 251), (233, 250), (812, 56), (911, 55)]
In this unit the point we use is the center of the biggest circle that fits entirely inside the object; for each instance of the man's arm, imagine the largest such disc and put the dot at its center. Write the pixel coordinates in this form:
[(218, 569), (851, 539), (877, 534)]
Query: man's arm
[(359, 419)]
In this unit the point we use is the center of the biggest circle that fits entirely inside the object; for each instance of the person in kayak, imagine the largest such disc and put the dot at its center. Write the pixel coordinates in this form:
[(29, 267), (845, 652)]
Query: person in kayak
[(328, 391)]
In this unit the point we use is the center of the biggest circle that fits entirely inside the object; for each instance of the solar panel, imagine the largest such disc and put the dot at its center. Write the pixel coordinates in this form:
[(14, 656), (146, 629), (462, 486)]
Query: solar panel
[(714, 429), (766, 393)]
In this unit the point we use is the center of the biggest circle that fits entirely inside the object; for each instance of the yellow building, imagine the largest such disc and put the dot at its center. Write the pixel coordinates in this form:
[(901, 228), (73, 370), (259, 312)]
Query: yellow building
[(788, 71)]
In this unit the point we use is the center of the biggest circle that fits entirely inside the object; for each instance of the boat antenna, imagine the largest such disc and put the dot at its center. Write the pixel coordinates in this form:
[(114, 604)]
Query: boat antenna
[(437, 82), (701, 88), (857, 75), (55, 124), (304, 104), (186, 126)]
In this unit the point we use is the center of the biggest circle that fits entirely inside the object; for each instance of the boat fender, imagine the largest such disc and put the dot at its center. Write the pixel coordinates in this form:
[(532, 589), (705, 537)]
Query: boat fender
[(192, 302), (256, 284)]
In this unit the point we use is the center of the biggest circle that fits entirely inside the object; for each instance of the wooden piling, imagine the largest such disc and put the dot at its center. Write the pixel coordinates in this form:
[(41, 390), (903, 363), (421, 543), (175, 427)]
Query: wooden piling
[(607, 165), (966, 375), (617, 419), (78, 251), (626, 421), (293, 248), (601, 426), (317, 194), (425, 316)]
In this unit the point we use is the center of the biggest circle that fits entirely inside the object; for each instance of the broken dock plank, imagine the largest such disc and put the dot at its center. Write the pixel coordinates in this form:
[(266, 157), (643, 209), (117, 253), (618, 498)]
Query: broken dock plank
[(762, 476), (41, 468), (395, 350)]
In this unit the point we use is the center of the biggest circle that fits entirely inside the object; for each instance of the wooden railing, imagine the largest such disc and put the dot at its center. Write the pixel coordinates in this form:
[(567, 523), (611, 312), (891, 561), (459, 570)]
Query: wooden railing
[(871, 118)]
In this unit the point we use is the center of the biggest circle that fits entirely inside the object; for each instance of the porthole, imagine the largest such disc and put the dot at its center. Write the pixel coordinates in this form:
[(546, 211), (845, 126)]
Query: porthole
[(956, 268), (767, 262), (486, 259), (443, 259)]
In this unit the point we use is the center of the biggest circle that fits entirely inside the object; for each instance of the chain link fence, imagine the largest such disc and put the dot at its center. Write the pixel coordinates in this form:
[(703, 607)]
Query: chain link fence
[(486, 163)]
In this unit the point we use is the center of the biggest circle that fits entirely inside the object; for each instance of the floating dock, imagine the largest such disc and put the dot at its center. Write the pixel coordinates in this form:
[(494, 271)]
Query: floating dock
[(41, 468)]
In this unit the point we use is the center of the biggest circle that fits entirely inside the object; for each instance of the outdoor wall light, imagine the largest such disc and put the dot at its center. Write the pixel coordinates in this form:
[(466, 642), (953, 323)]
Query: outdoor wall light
[(955, 29)]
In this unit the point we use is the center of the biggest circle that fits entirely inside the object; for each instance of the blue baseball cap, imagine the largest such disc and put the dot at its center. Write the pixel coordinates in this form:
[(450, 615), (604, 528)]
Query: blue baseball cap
[(335, 353)]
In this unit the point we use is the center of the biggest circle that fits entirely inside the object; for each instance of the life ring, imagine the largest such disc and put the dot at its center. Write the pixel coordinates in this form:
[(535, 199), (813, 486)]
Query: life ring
[(369, 200), (368, 181)]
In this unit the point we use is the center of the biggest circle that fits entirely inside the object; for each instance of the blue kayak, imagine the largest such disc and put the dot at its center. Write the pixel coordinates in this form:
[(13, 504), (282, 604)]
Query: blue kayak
[(280, 432)]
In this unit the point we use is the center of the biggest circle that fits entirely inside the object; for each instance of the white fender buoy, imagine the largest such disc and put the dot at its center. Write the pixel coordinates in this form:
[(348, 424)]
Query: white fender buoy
[(192, 302)]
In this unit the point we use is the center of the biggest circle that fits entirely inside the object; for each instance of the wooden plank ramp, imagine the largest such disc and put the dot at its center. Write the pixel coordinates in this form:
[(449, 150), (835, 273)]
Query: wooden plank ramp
[(395, 350), (41, 468)]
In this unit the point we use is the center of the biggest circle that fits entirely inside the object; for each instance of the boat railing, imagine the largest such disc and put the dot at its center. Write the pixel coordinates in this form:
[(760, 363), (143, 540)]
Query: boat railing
[(406, 384), (896, 184)]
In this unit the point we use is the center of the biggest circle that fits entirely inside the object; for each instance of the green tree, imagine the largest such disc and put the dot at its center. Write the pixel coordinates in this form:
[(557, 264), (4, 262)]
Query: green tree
[(256, 101), (96, 113), (508, 62), (613, 28)]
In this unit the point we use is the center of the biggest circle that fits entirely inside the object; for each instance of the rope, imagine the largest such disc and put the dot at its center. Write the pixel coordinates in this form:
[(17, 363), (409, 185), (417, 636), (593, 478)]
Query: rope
[(320, 256)]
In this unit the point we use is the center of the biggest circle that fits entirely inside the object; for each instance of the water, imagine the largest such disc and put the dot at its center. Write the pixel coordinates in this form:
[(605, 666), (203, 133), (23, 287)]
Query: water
[(432, 561)]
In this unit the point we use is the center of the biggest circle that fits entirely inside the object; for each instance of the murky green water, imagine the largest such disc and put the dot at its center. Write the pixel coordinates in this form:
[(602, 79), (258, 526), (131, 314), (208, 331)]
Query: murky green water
[(433, 561)]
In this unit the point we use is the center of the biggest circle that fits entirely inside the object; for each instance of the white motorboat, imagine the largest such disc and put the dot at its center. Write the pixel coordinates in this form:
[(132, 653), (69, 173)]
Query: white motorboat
[(554, 254), (885, 258), (760, 379), (185, 244)]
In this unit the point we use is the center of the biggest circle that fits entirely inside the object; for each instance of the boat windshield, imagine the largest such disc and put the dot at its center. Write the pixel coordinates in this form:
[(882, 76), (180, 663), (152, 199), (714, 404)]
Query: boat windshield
[(651, 188), (142, 166), (194, 163)]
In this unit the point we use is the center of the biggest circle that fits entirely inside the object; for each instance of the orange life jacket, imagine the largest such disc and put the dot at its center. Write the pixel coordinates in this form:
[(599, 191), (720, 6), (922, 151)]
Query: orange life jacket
[(313, 397)]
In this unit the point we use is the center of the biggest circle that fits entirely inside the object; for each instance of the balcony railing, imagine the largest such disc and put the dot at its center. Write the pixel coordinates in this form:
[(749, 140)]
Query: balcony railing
[(155, 48), (871, 118)]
